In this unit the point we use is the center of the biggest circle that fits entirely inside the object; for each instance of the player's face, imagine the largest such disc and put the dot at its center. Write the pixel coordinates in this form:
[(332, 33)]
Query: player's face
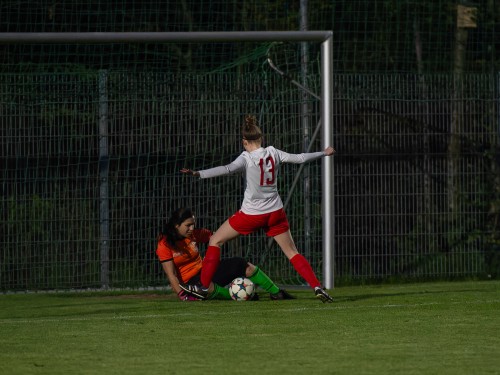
[(185, 229)]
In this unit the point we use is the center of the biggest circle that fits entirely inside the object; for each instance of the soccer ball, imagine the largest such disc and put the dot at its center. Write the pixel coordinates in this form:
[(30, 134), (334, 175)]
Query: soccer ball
[(241, 289)]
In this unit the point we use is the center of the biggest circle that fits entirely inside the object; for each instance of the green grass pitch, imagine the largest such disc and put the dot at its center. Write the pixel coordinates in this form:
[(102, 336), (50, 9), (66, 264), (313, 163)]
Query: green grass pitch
[(425, 328)]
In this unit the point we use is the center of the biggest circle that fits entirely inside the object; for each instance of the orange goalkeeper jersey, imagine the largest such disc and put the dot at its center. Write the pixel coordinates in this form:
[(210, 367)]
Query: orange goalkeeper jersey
[(185, 255)]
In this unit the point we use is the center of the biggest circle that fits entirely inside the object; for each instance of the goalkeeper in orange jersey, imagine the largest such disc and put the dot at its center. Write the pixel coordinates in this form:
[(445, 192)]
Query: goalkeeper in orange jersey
[(179, 256), (262, 207)]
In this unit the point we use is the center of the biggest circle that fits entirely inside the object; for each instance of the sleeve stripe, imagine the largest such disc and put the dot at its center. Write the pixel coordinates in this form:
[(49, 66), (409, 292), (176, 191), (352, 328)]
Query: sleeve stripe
[(166, 260)]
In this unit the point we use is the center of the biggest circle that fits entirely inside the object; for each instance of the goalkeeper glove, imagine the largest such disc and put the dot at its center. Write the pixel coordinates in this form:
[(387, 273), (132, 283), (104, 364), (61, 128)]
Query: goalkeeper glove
[(183, 296)]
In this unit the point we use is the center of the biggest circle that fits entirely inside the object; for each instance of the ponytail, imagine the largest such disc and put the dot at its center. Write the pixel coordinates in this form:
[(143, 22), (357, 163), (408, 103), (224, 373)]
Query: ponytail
[(250, 129)]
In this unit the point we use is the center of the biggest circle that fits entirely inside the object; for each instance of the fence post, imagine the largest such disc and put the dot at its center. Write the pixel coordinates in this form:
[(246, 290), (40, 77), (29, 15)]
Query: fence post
[(103, 178)]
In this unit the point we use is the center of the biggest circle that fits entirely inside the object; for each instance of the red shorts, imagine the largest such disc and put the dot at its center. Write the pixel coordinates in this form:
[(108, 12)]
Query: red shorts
[(273, 223)]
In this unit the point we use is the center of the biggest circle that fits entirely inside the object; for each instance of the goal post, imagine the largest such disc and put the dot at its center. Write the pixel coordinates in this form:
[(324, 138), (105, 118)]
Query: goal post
[(326, 116), (328, 224), (167, 37)]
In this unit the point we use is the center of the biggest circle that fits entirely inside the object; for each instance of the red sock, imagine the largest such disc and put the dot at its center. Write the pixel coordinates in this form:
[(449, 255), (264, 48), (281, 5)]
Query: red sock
[(209, 265), (305, 270)]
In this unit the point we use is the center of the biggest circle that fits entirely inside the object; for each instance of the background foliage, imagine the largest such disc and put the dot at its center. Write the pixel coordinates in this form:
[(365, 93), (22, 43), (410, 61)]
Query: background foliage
[(416, 88)]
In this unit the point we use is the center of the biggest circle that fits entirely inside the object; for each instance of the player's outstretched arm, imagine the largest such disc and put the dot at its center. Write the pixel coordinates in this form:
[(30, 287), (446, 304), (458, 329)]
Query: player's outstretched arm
[(190, 172), (329, 151)]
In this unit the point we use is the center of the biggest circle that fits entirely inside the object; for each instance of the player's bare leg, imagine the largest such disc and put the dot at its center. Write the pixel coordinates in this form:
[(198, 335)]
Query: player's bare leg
[(285, 242), (223, 234)]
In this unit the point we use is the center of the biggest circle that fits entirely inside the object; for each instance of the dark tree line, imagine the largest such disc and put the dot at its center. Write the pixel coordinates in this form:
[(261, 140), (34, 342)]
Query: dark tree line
[(368, 36)]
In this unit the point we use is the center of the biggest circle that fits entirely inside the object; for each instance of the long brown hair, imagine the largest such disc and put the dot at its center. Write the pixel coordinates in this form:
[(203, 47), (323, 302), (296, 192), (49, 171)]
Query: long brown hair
[(250, 129), (176, 218)]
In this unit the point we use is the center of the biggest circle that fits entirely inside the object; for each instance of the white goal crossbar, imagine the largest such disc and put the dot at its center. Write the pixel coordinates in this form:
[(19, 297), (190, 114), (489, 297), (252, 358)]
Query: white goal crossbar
[(323, 37)]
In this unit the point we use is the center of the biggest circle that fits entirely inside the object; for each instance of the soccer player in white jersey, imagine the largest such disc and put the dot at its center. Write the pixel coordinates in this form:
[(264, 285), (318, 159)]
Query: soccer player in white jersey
[(262, 206)]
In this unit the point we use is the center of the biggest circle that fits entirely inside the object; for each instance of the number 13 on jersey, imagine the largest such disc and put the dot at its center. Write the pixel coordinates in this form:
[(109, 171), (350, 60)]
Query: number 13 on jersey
[(267, 171)]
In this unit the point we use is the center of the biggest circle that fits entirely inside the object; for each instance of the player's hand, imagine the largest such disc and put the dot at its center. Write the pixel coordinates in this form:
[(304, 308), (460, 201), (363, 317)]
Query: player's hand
[(189, 172), (329, 151), (183, 296)]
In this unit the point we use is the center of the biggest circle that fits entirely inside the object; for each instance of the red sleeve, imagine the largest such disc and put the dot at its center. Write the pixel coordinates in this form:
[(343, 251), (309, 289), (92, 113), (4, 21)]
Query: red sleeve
[(163, 250), (202, 235)]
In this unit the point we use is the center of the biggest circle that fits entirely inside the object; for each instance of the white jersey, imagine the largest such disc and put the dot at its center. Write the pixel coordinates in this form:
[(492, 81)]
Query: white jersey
[(260, 168)]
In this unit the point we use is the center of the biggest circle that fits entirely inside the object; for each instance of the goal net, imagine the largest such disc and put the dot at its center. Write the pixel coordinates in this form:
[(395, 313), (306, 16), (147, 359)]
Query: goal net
[(92, 146)]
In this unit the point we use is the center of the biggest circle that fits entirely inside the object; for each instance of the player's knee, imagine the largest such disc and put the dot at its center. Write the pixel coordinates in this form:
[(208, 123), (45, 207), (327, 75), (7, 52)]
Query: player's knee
[(250, 269), (215, 242), (290, 252)]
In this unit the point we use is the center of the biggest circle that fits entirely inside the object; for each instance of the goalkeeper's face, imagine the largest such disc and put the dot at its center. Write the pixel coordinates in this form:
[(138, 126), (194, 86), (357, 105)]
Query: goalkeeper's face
[(185, 229)]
